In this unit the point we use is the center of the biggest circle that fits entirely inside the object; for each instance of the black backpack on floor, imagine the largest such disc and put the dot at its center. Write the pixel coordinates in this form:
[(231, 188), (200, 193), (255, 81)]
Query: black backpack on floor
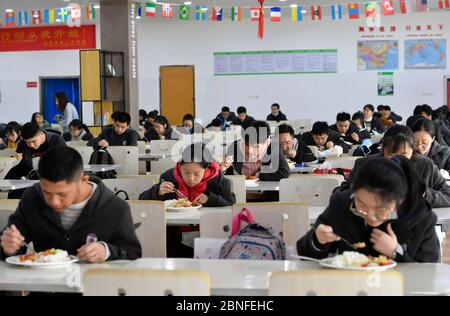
[(102, 157)]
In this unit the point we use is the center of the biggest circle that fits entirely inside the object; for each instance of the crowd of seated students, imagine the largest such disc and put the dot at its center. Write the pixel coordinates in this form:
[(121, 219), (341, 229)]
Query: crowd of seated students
[(385, 202)]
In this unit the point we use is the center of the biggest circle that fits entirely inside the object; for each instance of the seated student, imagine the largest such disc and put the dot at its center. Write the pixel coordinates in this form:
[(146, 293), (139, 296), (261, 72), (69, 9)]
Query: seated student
[(358, 120), (256, 155), (276, 114), (189, 126), (142, 117), (324, 138), (347, 131), (243, 119), (198, 177), (119, 134), (442, 124), (151, 117), (161, 130), (399, 141), (426, 145), (215, 126), (379, 111), (384, 209), (386, 119), (371, 122), (67, 206), (293, 148), (77, 131), (424, 110), (391, 115), (38, 119), (12, 132), (226, 116)]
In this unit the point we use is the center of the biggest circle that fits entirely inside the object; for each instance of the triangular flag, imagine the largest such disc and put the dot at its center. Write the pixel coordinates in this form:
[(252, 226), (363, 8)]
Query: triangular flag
[(236, 14), (316, 12), (405, 6), (296, 13), (336, 12), (387, 7), (185, 11)]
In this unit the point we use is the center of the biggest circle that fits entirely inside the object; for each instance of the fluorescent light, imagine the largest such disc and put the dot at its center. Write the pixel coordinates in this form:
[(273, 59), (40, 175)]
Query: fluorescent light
[(187, 3), (96, 6), (35, 15), (293, 5), (58, 20), (304, 11), (9, 10)]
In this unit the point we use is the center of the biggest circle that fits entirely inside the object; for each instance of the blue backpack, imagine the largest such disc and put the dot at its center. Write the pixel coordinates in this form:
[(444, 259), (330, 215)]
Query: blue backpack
[(253, 242)]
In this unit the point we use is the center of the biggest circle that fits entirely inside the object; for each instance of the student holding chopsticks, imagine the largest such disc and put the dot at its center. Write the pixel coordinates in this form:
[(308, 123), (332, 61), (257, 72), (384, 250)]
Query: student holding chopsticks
[(196, 177)]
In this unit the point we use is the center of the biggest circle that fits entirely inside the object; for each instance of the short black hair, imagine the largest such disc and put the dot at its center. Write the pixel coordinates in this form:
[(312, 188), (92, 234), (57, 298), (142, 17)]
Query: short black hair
[(60, 163), (197, 153), (216, 123), (284, 128), (387, 108), (241, 110), (370, 107), (122, 117), (426, 109), (162, 120), (13, 126), (342, 117), (397, 137), (225, 109), (257, 133), (77, 124), (143, 113), (413, 119), (276, 105), (380, 107), (188, 117), (29, 130), (320, 128), (358, 116), (153, 114), (425, 125)]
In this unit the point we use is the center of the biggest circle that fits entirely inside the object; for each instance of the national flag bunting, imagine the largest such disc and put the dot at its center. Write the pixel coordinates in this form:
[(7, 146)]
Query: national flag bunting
[(63, 15), (236, 14), (296, 13), (422, 5), (138, 10), (10, 19), (353, 11), (405, 6), (336, 12), (150, 9), (167, 10), (444, 4), (36, 17), (90, 12), (275, 14), (217, 14), (316, 12), (23, 18), (200, 13), (387, 7), (185, 12), (254, 14)]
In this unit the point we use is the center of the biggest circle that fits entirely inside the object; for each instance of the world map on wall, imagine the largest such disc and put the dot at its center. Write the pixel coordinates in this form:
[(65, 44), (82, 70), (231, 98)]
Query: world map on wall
[(377, 55), (426, 54)]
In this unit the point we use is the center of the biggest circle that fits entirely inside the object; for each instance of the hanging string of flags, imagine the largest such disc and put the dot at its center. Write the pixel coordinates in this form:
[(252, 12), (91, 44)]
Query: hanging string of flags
[(48, 16), (297, 12)]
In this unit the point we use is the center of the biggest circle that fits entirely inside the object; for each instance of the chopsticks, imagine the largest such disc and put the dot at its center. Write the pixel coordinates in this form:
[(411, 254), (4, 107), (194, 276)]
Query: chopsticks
[(176, 191)]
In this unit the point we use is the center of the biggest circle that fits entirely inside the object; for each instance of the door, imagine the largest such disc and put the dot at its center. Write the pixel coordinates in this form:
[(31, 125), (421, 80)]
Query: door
[(177, 92), (50, 86)]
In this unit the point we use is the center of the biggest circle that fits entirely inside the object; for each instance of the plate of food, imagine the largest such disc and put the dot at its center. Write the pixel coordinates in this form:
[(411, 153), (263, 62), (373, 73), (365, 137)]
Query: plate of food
[(181, 205), (251, 179), (352, 260), (45, 259)]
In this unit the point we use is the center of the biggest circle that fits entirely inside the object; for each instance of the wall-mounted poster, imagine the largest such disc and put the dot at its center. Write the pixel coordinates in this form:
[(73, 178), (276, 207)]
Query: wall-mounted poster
[(385, 84), (377, 55), (426, 54)]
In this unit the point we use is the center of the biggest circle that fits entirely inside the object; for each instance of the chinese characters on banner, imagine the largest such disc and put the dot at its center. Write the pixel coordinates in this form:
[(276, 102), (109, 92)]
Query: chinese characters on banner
[(47, 38)]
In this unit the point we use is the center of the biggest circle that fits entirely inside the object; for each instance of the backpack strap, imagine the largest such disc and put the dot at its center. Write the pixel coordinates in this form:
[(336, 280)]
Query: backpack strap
[(127, 198), (244, 215)]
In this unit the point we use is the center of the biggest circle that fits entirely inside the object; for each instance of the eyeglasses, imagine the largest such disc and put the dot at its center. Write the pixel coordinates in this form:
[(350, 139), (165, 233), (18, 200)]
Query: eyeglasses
[(375, 216)]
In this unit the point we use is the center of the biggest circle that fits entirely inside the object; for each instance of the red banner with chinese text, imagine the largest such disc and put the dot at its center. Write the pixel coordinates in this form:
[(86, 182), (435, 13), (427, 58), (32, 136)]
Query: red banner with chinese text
[(47, 38)]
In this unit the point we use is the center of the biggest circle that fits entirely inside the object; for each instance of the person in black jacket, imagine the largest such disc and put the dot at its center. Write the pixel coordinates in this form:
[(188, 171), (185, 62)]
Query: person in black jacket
[(358, 120), (399, 140), (67, 206), (324, 138), (276, 114), (256, 155), (385, 209), (78, 131), (226, 116), (426, 145), (371, 122), (198, 177), (346, 129), (161, 130), (189, 126), (243, 119), (119, 134), (293, 148)]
